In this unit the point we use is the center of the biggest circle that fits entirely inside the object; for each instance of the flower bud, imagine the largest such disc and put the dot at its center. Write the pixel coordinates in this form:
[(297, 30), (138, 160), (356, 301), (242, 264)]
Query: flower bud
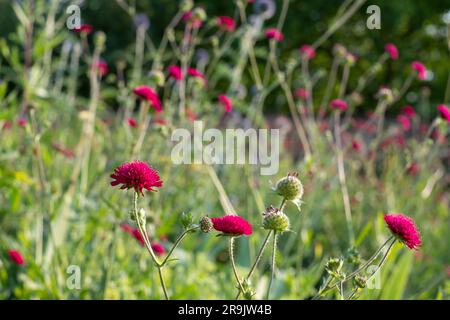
[(290, 187), (339, 50), (334, 267), (275, 220), (248, 292), (100, 39), (353, 256), (142, 216), (186, 5), (158, 77), (360, 281), (200, 14), (206, 224), (186, 220), (385, 94)]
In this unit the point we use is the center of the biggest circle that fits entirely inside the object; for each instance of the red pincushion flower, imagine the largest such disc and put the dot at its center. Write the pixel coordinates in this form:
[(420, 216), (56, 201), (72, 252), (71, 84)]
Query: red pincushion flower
[(232, 225), (408, 111), (175, 72), (302, 93), (444, 111), (356, 145), (392, 50), (226, 102), (404, 229), (273, 33), (189, 17), (307, 51), (84, 28), (339, 104), (226, 23), (132, 122), (420, 68), (148, 94), (16, 257), (137, 175), (22, 122), (137, 235), (404, 122), (102, 67), (158, 248)]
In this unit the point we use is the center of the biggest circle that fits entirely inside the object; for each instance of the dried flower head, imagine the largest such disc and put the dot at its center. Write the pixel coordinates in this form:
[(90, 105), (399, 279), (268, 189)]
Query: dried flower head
[(206, 224), (404, 228), (137, 175)]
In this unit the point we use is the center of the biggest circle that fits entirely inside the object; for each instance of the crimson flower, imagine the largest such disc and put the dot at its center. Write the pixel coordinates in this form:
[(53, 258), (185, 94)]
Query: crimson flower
[(102, 67), (16, 257), (404, 228), (158, 248), (22, 122), (444, 111), (413, 169), (404, 122), (226, 23), (189, 17), (226, 102), (302, 93), (137, 175), (356, 145), (339, 104), (147, 93), (175, 72), (273, 33), (132, 122), (420, 68), (232, 225), (408, 111), (392, 50), (307, 51), (63, 150), (84, 29)]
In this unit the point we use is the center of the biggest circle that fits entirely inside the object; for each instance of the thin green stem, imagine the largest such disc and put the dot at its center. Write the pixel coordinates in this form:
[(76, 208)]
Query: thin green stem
[(272, 275), (175, 245), (233, 264)]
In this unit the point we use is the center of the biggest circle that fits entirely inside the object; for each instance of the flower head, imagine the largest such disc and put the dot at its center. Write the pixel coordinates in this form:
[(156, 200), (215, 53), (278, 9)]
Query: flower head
[(444, 111), (102, 67), (226, 23), (273, 33), (175, 72), (137, 235), (290, 187), (195, 73), (232, 225), (408, 111), (22, 122), (404, 122), (420, 68), (158, 248), (274, 219), (339, 104), (16, 257), (84, 29), (226, 102), (307, 51), (137, 175), (302, 93), (404, 229), (147, 93), (132, 122), (392, 50)]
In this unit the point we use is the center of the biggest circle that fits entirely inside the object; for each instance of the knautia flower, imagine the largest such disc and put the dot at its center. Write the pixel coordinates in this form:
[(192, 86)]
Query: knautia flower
[(175, 72), (137, 175), (84, 29), (302, 93), (404, 122), (274, 219), (413, 169), (408, 111), (102, 67), (206, 224), (158, 248), (273, 33), (232, 225), (16, 257), (290, 188), (392, 50), (193, 20), (444, 111), (195, 73), (22, 122), (307, 52), (420, 68), (226, 23), (149, 94), (132, 122), (339, 104), (404, 229), (226, 102)]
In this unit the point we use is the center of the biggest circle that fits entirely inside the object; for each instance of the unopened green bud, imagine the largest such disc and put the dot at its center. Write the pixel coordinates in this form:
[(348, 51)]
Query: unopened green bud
[(275, 220), (206, 224), (200, 14), (186, 5), (385, 94), (248, 292), (100, 39), (360, 281), (339, 50), (158, 77), (334, 266), (290, 187), (186, 220)]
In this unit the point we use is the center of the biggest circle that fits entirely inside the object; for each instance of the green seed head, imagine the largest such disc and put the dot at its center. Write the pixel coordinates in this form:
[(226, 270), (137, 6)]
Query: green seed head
[(360, 281), (275, 220), (290, 187)]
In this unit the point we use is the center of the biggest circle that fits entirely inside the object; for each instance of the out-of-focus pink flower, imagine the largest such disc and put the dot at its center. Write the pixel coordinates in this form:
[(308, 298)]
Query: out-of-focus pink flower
[(132, 122), (413, 169), (126, 228), (404, 228), (302, 93), (137, 235), (273, 33), (392, 50), (444, 111), (404, 122), (307, 51), (175, 72), (22, 122), (64, 151), (84, 29), (226, 23), (226, 102), (102, 67), (189, 17), (409, 111), (161, 121), (191, 115), (147, 93), (420, 68), (16, 257), (356, 145), (6, 125), (339, 104), (158, 248), (195, 73)]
